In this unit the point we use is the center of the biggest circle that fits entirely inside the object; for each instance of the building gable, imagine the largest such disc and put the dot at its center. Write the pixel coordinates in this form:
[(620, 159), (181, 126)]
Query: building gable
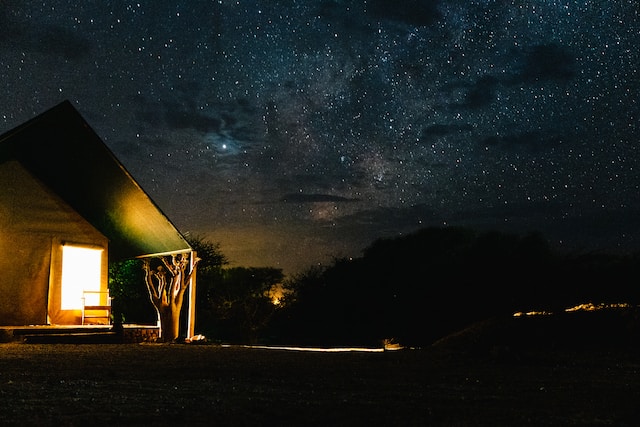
[(62, 151)]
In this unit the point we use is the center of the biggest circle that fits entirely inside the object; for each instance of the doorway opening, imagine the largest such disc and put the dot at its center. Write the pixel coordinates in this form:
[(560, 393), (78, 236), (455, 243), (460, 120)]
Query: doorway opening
[(81, 271)]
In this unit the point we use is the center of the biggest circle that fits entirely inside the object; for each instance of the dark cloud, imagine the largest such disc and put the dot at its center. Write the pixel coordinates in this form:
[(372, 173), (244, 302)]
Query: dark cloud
[(546, 62), (188, 90), (178, 117), (297, 180), (535, 64), (48, 39), (472, 96), (413, 12), (390, 220), (481, 93), (439, 130), (12, 34), (314, 198), (63, 42), (4, 21), (184, 113), (530, 140), (335, 11)]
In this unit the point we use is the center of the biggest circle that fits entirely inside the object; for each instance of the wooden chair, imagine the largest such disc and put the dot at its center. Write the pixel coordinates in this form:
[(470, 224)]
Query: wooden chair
[(96, 308)]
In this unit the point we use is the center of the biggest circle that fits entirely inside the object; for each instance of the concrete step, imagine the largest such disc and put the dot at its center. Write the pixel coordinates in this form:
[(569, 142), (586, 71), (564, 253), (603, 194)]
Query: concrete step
[(73, 338)]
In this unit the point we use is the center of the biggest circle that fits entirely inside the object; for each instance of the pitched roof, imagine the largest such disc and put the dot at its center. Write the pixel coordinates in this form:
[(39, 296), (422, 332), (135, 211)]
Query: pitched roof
[(60, 148)]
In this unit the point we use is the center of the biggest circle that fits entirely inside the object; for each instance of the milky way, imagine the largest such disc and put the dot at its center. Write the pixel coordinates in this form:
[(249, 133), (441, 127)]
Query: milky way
[(296, 131)]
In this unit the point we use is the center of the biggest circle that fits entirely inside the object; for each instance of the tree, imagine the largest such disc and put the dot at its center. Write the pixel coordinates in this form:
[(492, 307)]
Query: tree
[(167, 293), (212, 261), (130, 300), (242, 301), (209, 253), (304, 306)]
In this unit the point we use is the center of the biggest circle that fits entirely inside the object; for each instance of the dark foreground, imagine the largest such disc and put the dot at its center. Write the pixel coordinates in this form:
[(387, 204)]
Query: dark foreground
[(150, 384)]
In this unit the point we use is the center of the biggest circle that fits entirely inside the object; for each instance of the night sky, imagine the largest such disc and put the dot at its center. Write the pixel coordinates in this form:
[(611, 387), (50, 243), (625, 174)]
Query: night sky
[(295, 131)]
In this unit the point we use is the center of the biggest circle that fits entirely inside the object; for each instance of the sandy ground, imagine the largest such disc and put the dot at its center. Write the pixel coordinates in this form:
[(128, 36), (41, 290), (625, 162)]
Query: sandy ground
[(153, 384)]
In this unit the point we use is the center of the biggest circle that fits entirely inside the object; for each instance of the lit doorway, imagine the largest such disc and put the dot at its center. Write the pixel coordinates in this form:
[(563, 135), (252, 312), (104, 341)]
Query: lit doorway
[(81, 271)]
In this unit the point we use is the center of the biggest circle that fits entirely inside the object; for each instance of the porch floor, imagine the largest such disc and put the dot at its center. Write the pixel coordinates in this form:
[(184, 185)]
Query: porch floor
[(78, 334)]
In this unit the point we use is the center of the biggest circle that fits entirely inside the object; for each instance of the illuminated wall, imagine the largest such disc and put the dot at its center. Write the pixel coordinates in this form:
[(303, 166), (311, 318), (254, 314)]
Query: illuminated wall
[(35, 225)]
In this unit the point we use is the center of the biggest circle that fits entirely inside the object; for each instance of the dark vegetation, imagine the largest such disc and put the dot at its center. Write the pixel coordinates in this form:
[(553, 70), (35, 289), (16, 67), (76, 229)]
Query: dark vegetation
[(414, 289)]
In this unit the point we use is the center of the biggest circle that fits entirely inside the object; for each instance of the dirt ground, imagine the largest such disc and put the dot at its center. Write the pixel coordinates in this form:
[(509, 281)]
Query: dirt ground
[(154, 384)]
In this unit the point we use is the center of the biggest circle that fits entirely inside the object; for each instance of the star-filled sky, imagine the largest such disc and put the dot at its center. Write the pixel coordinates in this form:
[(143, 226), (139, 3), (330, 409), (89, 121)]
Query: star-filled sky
[(296, 131)]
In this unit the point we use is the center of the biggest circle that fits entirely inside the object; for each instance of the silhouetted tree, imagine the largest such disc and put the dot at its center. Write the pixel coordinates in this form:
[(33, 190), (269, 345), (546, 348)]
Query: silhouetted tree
[(427, 284), (302, 302), (242, 301), (210, 254), (130, 297), (212, 262)]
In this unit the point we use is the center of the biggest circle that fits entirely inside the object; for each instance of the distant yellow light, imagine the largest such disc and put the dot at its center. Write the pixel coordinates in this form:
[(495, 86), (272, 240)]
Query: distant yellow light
[(276, 294), (593, 307), (580, 307), (531, 313)]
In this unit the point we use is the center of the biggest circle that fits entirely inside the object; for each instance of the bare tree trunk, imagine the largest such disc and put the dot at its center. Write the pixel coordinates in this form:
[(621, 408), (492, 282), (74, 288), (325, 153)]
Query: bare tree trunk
[(167, 293)]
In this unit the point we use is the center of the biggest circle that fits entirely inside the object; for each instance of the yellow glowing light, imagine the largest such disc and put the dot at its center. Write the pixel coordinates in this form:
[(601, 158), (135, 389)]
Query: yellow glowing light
[(390, 344), (276, 294), (532, 313), (580, 307), (314, 349), (594, 307), (81, 270)]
